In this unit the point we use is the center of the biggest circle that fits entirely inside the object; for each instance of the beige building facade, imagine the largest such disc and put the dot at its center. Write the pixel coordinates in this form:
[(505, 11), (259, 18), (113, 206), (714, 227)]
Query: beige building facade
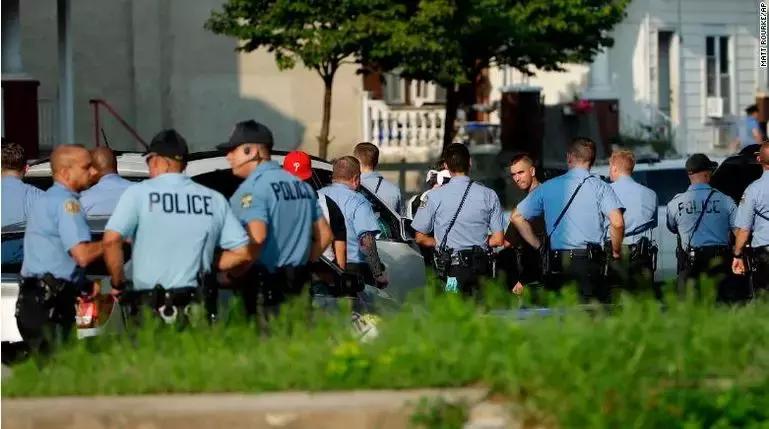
[(153, 61)]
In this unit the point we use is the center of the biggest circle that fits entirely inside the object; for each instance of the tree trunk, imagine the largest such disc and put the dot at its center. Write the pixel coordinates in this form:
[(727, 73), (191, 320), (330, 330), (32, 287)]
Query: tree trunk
[(452, 103), (323, 138)]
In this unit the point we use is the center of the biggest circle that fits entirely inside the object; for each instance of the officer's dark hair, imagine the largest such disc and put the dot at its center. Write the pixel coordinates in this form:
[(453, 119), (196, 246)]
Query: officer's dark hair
[(583, 149), (13, 157), (367, 154), (457, 158), (523, 156), (751, 109), (345, 168)]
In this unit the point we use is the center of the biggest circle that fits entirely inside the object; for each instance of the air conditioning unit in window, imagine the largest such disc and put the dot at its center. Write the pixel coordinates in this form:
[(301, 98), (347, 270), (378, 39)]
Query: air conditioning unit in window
[(714, 107)]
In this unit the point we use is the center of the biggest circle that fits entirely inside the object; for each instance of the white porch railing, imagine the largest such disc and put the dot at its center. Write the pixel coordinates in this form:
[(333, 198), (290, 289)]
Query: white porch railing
[(402, 127), (47, 121)]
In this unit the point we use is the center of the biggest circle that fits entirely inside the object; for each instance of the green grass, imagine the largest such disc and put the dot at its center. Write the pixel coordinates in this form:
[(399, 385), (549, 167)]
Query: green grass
[(691, 365)]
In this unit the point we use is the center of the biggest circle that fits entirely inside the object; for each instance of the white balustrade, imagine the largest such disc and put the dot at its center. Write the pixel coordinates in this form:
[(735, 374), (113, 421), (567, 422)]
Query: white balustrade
[(400, 127)]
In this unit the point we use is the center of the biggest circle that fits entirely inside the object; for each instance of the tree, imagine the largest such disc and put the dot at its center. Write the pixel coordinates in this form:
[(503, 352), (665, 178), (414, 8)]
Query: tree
[(450, 41), (322, 34)]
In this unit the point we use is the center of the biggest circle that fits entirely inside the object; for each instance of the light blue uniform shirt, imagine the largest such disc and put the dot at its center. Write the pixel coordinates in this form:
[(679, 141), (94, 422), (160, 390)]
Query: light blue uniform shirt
[(359, 217), (584, 221), (755, 200), (640, 205), (101, 198), (55, 225), (176, 224), (684, 209), (387, 192), (747, 126), (481, 214), (287, 205), (18, 198)]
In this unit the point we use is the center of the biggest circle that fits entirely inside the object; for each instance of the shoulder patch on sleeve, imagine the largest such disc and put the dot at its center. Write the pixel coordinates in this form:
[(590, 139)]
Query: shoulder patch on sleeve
[(423, 203), (72, 206), (246, 200)]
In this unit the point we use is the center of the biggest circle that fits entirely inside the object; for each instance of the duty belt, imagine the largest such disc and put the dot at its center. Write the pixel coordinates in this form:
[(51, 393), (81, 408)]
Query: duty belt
[(168, 304)]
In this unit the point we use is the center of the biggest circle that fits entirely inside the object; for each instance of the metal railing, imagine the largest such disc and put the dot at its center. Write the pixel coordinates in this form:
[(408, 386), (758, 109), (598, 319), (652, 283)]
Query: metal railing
[(97, 130)]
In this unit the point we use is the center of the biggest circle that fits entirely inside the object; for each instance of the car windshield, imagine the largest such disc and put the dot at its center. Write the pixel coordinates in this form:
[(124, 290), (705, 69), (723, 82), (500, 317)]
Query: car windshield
[(225, 182), (666, 183), (13, 247)]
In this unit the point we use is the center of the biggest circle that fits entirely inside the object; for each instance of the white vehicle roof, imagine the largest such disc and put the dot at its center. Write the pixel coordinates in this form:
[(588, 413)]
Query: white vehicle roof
[(665, 164), (132, 164)]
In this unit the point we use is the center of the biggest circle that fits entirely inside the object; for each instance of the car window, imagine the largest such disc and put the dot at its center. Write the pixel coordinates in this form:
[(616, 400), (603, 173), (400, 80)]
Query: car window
[(735, 174), (13, 255), (45, 182), (666, 183), (223, 181)]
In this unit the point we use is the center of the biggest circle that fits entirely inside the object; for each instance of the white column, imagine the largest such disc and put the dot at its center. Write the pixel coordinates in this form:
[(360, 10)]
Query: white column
[(599, 86), (11, 32), (66, 97)]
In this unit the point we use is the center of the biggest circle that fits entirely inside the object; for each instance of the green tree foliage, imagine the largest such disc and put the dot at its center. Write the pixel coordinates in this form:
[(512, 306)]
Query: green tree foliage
[(450, 41), (321, 34)]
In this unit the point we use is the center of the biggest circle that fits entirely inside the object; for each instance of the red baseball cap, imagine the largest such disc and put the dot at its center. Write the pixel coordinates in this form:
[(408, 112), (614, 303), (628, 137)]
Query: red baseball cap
[(299, 164)]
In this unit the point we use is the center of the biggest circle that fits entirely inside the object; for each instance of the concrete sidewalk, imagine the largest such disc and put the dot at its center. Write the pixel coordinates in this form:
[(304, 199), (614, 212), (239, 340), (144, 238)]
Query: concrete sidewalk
[(324, 410)]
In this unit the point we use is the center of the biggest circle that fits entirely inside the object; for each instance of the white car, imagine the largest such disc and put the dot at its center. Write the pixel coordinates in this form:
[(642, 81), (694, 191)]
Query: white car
[(403, 261), (667, 178)]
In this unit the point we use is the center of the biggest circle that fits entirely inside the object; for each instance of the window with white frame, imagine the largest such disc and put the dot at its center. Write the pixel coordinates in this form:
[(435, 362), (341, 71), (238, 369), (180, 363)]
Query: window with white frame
[(394, 89), (717, 70)]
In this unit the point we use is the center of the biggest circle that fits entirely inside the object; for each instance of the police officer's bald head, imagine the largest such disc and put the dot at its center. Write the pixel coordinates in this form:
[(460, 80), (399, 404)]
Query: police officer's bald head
[(104, 160), (581, 152), (71, 166), (346, 169)]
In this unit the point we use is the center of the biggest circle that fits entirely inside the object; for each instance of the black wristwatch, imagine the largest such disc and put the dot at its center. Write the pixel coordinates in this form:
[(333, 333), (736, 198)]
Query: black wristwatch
[(736, 256)]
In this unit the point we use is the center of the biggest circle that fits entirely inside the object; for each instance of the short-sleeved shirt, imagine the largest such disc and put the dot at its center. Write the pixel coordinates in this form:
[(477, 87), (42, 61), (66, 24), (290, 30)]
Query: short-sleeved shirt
[(358, 215), (18, 198), (684, 209), (287, 205), (753, 212), (55, 225), (480, 215), (640, 205), (175, 224), (386, 191), (101, 198), (584, 222), (747, 126)]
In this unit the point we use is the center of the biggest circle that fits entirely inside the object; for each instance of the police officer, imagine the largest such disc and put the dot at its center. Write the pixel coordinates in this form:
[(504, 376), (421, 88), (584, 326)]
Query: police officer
[(57, 248), (175, 225), (520, 259), (101, 198), (281, 215), (636, 271), (17, 196), (702, 218), (299, 164), (460, 214), (368, 155), (575, 206), (360, 220), (753, 217)]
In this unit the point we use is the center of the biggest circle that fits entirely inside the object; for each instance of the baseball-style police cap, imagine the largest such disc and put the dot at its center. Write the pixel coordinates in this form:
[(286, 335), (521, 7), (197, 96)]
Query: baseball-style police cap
[(168, 144), (248, 132), (700, 162), (299, 164)]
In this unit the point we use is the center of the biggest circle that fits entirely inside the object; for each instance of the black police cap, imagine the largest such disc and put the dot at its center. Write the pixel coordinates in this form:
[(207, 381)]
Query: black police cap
[(700, 162), (169, 144), (248, 132)]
